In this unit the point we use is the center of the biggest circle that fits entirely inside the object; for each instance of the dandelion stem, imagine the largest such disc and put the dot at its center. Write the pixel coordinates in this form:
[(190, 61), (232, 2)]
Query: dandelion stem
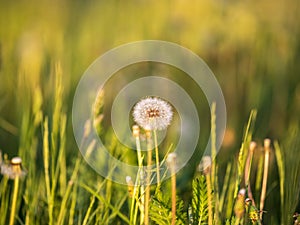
[(148, 179), (157, 158), (14, 201)]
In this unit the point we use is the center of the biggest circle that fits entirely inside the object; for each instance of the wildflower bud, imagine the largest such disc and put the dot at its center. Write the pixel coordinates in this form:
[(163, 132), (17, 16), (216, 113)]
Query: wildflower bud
[(239, 207), (296, 217), (16, 164), (87, 128), (267, 143), (242, 192), (248, 201), (171, 159), (252, 146), (128, 180), (135, 131), (130, 186), (205, 165), (148, 133), (16, 161)]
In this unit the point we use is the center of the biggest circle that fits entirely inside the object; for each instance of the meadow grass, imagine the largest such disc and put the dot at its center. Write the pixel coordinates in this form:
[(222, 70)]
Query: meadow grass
[(253, 47), (78, 199)]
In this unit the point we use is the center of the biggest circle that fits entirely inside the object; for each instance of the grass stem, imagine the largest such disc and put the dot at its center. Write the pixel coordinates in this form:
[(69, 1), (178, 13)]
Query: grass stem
[(136, 134), (248, 170), (209, 199), (267, 143)]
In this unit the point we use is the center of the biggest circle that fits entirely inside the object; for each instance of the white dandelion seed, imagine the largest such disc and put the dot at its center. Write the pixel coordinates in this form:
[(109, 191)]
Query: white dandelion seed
[(12, 169), (153, 113)]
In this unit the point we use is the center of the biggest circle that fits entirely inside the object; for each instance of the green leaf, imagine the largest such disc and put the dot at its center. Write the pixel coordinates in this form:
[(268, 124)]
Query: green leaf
[(161, 212), (200, 201)]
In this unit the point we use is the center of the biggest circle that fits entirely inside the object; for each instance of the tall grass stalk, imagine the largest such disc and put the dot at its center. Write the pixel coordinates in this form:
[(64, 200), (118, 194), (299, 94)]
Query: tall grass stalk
[(136, 134), (225, 186), (209, 199), (281, 171), (63, 206), (46, 171), (111, 207), (4, 196), (73, 204), (171, 160), (244, 150), (214, 168), (267, 144), (248, 170), (289, 172)]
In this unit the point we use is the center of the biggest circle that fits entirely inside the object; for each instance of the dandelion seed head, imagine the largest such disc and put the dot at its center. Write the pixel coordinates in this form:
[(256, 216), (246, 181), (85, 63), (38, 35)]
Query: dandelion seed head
[(267, 143), (205, 165), (16, 161), (128, 179), (242, 191), (13, 169), (171, 158), (153, 113), (252, 146), (135, 131)]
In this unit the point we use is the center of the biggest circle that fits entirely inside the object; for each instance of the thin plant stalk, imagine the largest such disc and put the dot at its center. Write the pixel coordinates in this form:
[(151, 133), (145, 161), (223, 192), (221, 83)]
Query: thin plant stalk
[(46, 170), (4, 199), (281, 171), (132, 189), (16, 173), (171, 160), (209, 198), (14, 200), (267, 143), (134, 202), (73, 204), (248, 170), (157, 158), (225, 187), (63, 207), (148, 179), (136, 134), (173, 184), (214, 168), (206, 165)]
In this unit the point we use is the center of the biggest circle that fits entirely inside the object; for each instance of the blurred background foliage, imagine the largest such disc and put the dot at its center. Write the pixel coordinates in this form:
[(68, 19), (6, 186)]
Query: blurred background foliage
[(252, 47)]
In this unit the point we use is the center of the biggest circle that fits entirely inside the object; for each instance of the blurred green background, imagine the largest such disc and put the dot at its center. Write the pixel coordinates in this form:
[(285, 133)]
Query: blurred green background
[(253, 47)]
